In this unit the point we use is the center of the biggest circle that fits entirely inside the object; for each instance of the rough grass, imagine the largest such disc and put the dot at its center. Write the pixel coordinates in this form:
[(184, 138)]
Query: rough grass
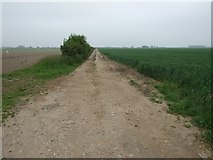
[(19, 85), (185, 76)]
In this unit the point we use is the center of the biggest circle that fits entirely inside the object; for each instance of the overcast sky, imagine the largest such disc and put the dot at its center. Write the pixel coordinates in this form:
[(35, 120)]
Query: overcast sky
[(107, 24)]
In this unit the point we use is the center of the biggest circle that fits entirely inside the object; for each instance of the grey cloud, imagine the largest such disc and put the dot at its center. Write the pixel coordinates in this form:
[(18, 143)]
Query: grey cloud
[(107, 24)]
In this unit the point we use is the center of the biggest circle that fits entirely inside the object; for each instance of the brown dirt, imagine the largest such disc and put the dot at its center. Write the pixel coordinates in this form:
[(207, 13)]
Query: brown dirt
[(96, 112), (17, 60)]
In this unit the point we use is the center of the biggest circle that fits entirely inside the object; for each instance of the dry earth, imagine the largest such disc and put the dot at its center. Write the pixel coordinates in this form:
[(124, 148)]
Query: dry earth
[(17, 60), (95, 112)]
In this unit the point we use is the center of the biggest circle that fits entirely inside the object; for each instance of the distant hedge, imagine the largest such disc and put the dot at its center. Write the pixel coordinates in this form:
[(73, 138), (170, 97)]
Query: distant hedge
[(76, 45)]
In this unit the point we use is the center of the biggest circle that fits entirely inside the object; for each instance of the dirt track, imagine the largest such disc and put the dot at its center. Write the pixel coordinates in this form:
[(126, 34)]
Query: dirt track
[(95, 112)]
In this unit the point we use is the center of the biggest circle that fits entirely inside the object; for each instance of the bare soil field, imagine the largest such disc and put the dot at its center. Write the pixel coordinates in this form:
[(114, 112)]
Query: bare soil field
[(95, 112), (20, 59)]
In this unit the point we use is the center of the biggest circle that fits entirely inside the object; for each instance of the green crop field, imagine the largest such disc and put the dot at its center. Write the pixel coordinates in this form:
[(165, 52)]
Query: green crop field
[(184, 75)]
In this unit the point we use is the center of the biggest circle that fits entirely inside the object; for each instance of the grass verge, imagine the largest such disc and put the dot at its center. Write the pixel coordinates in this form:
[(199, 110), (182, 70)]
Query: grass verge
[(180, 103), (18, 86)]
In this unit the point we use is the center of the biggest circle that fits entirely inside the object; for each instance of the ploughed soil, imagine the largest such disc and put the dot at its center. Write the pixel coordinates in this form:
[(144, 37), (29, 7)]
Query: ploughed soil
[(95, 112), (17, 60)]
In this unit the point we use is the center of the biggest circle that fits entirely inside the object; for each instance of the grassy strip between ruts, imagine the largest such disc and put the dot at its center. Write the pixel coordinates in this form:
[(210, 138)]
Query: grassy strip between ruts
[(183, 75), (18, 86)]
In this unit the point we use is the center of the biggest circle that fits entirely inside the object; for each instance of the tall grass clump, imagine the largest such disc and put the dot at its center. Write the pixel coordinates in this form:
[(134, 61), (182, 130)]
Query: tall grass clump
[(185, 76)]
